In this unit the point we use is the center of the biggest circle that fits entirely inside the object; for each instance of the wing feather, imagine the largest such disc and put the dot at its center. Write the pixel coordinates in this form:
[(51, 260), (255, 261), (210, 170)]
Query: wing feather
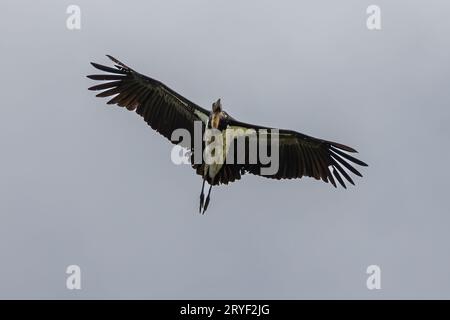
[(303, 155), (161, 107)]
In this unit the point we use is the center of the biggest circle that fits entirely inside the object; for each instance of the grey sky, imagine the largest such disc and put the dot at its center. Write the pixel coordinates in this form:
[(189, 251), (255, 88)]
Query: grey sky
[(88, 184)]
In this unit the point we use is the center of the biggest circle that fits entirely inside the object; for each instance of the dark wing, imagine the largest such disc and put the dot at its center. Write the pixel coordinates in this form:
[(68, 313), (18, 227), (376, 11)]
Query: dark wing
[(161, 107), (301, 155)]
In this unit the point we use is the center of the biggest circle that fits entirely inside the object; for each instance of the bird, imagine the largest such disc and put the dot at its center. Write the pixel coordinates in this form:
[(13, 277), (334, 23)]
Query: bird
[(165, 110)]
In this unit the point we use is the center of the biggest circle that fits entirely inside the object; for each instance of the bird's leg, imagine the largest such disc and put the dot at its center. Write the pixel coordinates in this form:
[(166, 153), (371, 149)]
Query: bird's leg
[(202, 196), (207, 199)]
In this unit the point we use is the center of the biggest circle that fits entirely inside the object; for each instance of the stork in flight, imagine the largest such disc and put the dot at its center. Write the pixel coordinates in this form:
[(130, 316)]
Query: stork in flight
[(165, 111)]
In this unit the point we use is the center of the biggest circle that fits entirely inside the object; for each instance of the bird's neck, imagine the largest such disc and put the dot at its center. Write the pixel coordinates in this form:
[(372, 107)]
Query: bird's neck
[(215, 119)]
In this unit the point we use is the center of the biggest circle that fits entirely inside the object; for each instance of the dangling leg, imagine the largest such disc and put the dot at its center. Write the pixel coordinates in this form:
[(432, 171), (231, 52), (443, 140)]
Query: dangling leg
[(202, 196), (207, 199)]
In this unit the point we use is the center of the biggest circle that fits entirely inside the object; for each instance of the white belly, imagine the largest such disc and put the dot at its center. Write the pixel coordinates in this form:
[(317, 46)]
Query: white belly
[(212, 169)]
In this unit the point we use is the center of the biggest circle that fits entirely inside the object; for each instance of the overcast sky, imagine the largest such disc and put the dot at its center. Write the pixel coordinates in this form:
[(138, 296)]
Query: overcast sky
[(88, 184)]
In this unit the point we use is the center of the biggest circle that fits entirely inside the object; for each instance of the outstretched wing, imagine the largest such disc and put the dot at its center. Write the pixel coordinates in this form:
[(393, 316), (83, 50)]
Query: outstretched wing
[(301, 155), (161, 107)]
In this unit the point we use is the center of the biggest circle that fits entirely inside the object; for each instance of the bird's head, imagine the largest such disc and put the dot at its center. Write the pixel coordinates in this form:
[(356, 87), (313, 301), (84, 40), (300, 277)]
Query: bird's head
[(217, 106)]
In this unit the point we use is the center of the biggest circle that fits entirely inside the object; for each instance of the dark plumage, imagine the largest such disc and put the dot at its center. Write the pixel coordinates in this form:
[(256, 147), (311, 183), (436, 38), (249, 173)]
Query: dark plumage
[(165, 110)]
